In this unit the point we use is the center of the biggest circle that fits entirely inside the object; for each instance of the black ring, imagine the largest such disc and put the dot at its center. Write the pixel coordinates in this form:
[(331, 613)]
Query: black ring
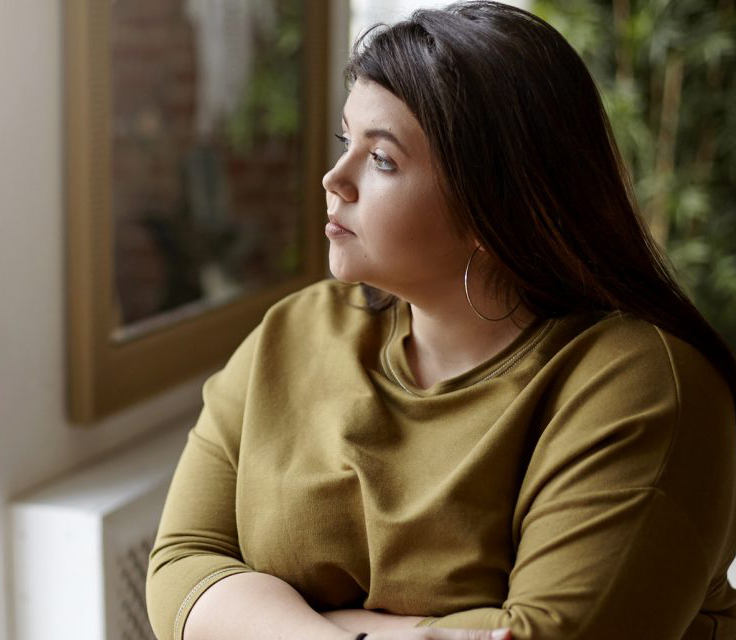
[(360, 636)]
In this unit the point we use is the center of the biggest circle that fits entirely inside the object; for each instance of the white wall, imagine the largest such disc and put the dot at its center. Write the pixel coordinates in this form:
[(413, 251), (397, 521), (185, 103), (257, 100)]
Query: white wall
[(36, 441)]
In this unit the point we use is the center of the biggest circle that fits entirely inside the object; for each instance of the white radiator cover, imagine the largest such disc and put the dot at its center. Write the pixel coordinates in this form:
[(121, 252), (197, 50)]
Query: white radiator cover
[(81, 544)]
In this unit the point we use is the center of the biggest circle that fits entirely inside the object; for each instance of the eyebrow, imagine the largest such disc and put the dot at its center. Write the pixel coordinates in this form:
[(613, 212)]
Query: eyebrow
[(381, 133)]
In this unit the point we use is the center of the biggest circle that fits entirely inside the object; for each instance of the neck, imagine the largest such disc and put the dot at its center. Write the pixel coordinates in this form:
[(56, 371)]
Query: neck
[(447, 338)]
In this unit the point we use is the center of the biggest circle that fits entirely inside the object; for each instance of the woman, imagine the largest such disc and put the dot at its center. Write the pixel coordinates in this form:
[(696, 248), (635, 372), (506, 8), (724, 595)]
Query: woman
[(534, 431)]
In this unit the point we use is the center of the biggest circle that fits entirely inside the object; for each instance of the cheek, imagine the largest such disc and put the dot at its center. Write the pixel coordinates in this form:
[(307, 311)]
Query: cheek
[(422, 220), (391, 229), (404, 209), (402, 217)]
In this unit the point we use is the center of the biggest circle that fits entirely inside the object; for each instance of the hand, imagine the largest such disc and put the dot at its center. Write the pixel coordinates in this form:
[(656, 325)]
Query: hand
[(427, 633)]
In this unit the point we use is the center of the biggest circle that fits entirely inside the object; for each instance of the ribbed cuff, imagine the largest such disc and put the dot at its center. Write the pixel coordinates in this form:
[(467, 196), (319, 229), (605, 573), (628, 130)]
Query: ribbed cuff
[(197, 591)]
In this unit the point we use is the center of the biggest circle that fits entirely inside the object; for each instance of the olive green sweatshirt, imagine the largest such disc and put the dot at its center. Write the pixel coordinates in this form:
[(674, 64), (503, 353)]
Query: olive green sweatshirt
[(580, 484)]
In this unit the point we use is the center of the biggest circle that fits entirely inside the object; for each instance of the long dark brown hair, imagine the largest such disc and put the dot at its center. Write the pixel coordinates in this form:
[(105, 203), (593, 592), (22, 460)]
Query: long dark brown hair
[(529, 164)]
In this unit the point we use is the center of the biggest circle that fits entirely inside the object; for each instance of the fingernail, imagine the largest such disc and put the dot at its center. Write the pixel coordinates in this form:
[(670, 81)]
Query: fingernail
[(501, 634)]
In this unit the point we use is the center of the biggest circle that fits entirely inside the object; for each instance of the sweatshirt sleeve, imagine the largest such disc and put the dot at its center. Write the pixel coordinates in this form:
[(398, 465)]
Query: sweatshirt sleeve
[(197, 540), (623, 515)]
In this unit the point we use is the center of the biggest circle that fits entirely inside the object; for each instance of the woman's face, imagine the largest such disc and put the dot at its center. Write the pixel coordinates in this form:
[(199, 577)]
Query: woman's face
[(389, 223)]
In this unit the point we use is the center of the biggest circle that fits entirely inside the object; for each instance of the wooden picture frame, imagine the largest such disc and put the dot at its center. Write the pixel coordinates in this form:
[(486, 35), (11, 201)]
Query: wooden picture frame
[(106, 375)]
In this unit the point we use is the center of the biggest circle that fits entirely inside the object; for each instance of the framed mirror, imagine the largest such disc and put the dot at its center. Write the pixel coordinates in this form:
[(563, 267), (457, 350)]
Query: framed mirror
[(195, 147)]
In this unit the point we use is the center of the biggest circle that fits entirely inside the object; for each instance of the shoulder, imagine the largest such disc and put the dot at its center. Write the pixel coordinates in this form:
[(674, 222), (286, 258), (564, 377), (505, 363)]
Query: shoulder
[(628, 353), (633, 377), (324, 318), (290, 336), (625, 404), (324, 297), (670, 416), (316, 307), (328, 309), (327, 322), (624, 383)]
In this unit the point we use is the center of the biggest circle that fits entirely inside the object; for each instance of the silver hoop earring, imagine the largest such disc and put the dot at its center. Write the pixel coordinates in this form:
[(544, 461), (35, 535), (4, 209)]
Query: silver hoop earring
[(470, 302)]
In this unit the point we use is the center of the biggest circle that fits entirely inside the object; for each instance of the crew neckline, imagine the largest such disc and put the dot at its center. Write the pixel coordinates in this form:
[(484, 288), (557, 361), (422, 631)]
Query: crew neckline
[(397, 369)]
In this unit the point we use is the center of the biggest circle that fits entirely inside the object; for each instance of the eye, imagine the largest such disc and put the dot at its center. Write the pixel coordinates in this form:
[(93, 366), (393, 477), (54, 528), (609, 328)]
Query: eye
[(344, 140), (382, 163)]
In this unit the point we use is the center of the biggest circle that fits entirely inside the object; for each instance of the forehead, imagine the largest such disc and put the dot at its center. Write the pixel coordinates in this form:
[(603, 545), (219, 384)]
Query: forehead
[(369, 105)]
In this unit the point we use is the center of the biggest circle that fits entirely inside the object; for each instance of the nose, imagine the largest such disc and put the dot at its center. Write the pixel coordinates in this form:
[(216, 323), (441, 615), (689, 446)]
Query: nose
[(338, 182)]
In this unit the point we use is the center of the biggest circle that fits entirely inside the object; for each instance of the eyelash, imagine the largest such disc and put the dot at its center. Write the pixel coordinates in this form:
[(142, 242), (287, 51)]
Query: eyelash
[(377, 159)]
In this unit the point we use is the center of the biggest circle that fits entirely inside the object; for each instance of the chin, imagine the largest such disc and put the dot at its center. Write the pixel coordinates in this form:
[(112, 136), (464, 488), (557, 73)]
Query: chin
[(339, 272), (345, 280), (342, 269)]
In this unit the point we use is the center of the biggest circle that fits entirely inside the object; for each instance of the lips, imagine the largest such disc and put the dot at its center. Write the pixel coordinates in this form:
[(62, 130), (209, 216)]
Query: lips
[(334, 228)]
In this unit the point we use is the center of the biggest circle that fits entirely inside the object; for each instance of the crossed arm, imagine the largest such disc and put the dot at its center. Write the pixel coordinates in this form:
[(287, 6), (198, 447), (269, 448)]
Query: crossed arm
[(232, 602), (257, 606)]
